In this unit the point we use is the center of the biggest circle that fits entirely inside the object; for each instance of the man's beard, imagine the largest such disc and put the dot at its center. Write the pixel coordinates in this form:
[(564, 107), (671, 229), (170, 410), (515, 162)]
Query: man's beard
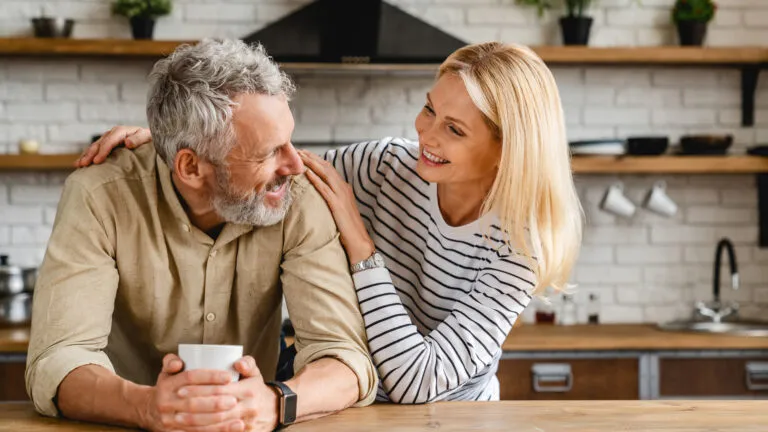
[(250, 209)]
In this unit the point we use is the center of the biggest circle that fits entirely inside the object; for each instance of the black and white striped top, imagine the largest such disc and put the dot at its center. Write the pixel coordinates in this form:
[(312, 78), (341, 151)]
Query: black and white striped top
[(437, 316)]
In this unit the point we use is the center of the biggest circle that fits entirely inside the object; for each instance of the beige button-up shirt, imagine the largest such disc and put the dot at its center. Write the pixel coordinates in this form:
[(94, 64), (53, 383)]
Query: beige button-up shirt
[(127, 278)]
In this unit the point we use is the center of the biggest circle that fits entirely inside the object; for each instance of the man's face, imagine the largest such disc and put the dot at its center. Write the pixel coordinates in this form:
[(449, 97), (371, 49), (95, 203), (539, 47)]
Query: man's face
[(254, 188)]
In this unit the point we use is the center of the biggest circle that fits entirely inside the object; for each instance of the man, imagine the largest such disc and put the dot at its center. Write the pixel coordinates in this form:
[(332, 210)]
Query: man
[(195, 241)]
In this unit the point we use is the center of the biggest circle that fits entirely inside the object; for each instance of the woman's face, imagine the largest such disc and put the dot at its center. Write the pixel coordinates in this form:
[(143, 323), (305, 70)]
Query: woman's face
[(456, 144)]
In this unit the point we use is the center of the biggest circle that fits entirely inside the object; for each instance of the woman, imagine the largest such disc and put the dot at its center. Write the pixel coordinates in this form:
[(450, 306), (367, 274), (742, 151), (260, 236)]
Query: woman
[(471, 221)]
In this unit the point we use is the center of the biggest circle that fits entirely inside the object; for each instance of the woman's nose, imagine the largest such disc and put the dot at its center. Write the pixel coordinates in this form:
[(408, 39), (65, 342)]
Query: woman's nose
[(427, 136)]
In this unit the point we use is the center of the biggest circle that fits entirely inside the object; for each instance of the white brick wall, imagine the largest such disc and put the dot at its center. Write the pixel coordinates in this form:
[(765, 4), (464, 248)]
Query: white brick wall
[(81, 92), (648, 268)]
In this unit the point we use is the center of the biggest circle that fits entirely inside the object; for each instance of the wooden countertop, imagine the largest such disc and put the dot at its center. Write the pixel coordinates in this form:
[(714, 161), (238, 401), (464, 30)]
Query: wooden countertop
[(14, 339), (631, 337), (621, 338), (522, 416)]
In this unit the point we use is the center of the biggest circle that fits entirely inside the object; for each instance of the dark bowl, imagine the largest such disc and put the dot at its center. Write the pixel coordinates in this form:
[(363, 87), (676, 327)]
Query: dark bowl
[(705, 144), (53, 27), (647, 146)]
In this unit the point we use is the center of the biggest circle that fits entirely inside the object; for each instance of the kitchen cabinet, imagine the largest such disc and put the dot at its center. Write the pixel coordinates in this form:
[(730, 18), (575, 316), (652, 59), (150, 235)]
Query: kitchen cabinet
[(681, 377), (564, 378), (12, 386)]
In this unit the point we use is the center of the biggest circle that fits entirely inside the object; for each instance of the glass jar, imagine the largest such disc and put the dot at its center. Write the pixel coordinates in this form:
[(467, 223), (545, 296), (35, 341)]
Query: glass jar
[(593, 309), (568, 311), (545, 312)]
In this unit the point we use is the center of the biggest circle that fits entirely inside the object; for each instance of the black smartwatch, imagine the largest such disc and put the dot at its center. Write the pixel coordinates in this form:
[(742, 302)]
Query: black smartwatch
[(288, 402)]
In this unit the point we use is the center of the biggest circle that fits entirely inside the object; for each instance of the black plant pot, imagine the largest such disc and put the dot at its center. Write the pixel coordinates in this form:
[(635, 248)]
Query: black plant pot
[(142, 27), (576, 30), (692, 33)]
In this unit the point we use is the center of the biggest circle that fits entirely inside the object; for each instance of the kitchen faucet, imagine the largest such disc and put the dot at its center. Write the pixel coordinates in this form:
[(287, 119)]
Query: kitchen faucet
[(716, 310)]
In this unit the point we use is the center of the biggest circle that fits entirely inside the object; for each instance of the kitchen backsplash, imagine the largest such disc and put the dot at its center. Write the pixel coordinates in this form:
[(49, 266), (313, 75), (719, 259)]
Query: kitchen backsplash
[(646, 269)]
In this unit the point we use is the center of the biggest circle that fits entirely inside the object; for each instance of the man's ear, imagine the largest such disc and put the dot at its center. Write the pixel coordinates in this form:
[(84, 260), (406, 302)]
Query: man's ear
[(189, 168)]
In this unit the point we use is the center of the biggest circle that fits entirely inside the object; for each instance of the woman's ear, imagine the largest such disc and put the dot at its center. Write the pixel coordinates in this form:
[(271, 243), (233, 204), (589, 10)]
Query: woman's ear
[(188, 168), (497, 165)]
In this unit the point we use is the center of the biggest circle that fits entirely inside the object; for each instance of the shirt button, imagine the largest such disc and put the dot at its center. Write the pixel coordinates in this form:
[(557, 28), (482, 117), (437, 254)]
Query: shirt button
[(212, 254), (210, 317), (185, 227)]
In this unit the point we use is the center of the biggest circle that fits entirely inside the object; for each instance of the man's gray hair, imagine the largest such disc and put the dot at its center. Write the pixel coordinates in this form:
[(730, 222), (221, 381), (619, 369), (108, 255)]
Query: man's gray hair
[(190, 99)]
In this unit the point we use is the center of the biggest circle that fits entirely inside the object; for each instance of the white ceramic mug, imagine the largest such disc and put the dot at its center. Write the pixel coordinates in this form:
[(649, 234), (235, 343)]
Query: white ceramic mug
[(218, 357), (658, 201), (614, 201)]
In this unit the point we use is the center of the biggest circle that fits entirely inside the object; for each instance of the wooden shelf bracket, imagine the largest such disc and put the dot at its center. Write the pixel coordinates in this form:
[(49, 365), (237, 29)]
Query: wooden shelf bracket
[(762, 209)]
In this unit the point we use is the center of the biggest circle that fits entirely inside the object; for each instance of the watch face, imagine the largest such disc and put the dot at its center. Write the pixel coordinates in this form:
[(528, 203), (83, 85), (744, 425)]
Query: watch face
[(289, 413), (378, 260)]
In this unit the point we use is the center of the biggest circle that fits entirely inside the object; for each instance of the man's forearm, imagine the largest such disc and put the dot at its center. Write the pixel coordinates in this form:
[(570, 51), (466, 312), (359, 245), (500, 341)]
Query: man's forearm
[(324, 386), (92, 393)]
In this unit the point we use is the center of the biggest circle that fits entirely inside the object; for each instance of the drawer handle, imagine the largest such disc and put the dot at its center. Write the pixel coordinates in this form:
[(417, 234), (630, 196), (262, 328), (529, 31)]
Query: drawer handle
[(547, 376), (757, 376)]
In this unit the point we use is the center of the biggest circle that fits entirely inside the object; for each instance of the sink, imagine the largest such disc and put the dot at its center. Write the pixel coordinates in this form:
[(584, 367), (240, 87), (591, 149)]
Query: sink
[(740, 328)]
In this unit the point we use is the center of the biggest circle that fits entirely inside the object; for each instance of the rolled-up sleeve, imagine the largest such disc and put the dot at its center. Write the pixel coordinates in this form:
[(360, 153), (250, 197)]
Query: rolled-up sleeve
[(320, 294), (74, 298)]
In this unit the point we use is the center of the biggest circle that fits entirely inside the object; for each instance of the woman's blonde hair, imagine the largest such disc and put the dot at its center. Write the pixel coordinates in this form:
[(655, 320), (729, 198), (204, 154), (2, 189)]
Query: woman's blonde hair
[(533, 193)]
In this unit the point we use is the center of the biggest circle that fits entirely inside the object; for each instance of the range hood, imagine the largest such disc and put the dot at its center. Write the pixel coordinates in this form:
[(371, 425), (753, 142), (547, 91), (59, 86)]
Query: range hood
[(354, 31)]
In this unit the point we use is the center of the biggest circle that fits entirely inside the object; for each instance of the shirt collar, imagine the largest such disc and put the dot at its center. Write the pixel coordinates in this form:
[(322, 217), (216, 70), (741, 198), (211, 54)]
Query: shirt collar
[(228, 233)]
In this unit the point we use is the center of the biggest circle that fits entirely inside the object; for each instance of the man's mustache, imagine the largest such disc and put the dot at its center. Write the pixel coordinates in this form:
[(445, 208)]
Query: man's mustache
[(276, 183)]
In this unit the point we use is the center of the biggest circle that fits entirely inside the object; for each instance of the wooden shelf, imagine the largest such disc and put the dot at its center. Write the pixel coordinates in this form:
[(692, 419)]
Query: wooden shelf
[(750, 60), (669, 164), (551, 54), (58, 162), (661, 55), (87, 47), (581, 164)]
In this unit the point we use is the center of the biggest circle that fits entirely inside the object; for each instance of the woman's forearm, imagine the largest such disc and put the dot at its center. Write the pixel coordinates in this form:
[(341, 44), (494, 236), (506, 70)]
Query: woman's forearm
[(416, 368)]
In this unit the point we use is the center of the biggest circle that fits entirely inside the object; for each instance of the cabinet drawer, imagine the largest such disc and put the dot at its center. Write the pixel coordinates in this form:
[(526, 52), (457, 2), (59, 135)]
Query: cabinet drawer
[(713, 377), (12, 387), (569, 379)]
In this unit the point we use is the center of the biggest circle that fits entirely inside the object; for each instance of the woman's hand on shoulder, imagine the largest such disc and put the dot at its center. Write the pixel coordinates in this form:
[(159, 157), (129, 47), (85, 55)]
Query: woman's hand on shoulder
[(131, 136), (341, 201)]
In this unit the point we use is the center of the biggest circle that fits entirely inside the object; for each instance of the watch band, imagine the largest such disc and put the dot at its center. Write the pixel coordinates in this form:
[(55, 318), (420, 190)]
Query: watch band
[(373, 261), (288, 403)]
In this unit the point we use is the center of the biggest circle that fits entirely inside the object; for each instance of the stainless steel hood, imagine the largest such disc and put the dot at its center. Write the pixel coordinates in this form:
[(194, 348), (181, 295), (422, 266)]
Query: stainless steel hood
[(354, 31)]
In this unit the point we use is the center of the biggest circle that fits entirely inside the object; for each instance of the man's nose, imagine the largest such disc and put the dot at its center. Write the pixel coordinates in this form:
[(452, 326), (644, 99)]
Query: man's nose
[(291, 164)]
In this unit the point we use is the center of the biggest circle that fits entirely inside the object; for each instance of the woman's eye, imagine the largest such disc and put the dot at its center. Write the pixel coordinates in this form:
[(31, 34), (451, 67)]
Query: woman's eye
[(429, 109), (455, 131)]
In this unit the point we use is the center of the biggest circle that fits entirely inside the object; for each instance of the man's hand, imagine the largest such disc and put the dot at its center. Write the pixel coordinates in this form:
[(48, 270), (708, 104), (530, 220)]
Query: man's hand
[(169, 405), (256, 403)]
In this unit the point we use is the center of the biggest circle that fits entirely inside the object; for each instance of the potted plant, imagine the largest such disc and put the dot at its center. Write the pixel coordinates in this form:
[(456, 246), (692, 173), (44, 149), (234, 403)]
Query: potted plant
[(576, 25), (142, 14), (691, 18)]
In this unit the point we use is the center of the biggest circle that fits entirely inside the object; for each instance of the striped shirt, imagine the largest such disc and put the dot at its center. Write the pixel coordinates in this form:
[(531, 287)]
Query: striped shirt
[(437, 316)]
